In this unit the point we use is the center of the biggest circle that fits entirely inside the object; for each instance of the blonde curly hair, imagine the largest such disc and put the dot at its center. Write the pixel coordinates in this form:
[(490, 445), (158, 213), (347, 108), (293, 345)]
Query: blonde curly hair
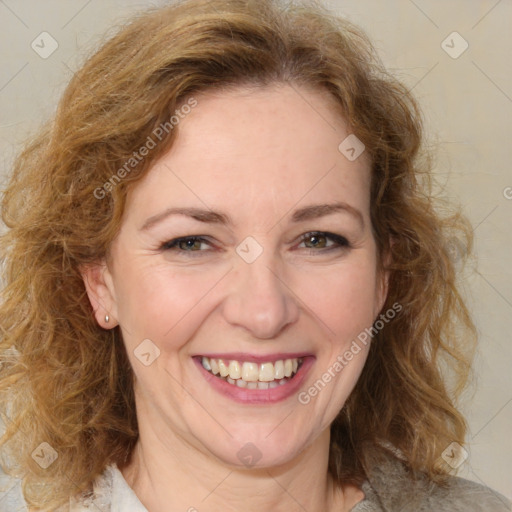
[(68, 382)]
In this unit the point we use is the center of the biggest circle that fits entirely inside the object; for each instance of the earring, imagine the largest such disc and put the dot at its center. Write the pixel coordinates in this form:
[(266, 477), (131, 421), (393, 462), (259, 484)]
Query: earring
[(107, 319)]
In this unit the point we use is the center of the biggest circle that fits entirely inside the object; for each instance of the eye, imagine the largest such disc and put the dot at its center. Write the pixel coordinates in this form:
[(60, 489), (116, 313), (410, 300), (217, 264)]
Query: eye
[(318, 240), (185, 244)]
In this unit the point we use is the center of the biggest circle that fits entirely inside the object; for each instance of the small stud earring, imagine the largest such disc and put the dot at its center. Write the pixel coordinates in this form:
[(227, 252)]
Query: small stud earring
[(107, 319)]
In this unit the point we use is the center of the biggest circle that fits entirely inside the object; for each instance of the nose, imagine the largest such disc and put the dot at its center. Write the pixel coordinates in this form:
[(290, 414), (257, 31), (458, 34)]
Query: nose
[(259, 300)]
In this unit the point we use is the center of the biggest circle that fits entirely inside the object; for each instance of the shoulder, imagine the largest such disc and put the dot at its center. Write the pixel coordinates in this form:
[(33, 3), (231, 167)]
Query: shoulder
[(466, 495), (391, 487), (12, 499)]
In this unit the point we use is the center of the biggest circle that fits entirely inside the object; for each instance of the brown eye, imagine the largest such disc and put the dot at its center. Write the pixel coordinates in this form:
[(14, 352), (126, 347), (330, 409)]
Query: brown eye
[(319, 240), (193, 244)]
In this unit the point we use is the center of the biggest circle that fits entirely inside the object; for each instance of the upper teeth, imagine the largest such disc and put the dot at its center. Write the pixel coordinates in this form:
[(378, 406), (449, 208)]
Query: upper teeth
[(252, 372)]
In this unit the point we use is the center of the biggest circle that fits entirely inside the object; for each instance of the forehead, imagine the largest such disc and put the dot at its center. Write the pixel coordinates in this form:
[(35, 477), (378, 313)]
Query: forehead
[(263, 121), (278, 143)]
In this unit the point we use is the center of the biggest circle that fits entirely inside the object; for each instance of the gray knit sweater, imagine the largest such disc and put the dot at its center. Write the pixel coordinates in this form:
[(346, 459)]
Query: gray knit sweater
[(387, 489)]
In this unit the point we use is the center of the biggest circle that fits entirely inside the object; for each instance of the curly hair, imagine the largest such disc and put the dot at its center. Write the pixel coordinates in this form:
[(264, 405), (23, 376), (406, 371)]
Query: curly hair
[(67, 382)]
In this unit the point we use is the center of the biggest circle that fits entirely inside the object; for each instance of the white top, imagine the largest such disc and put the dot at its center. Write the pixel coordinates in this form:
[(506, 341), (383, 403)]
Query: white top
[(112, 494)]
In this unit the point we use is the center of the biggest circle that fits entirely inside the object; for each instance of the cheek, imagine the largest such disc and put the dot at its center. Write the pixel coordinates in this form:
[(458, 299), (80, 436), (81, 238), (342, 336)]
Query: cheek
[(158, 302), (343, 299)]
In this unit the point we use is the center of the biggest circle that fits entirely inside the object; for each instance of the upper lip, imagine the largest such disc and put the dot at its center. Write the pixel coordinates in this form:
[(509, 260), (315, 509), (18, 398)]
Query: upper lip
[(253, 358)]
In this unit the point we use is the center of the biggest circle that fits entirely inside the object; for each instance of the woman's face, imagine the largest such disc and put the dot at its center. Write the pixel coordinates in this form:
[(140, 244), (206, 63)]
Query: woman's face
[(253, 174)]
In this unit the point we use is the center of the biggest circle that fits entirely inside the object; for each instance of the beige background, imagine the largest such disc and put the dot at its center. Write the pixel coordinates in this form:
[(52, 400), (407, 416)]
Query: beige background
[(468, 106)]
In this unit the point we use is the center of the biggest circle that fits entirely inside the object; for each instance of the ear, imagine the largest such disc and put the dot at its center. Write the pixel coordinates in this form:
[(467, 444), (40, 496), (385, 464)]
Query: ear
[(383, 281), (101, 292)]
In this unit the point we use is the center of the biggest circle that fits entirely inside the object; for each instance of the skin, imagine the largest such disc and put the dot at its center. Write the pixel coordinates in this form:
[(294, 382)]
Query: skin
[(257, 156)]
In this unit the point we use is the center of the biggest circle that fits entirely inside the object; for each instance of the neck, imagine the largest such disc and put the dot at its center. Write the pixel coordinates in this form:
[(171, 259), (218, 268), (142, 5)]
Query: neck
[(167, 473)]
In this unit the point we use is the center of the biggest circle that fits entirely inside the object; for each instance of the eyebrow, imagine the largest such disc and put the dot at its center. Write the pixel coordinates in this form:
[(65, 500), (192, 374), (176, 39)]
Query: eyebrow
[(213, 217)]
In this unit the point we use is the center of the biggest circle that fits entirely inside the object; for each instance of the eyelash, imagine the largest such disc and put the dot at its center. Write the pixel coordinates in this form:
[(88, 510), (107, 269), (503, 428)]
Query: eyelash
[(340, 242)]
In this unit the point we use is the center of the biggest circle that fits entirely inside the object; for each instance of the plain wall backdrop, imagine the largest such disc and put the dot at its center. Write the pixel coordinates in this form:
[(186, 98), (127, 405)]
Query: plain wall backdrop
[(463, 83)]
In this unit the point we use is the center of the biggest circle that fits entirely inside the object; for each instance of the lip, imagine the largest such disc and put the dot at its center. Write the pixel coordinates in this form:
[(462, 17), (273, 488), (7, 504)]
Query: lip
[(253, 358), (257, 396)]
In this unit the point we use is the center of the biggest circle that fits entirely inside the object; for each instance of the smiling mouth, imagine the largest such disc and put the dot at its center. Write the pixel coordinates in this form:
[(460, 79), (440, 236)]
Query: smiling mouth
[(252, 375)]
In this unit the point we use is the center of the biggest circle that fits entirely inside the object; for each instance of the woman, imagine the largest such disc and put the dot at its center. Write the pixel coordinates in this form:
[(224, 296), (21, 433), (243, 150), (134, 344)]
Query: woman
[(226, 287)]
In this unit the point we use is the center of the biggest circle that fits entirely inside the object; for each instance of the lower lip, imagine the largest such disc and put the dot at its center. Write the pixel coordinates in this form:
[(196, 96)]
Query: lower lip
[(257, 396)]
